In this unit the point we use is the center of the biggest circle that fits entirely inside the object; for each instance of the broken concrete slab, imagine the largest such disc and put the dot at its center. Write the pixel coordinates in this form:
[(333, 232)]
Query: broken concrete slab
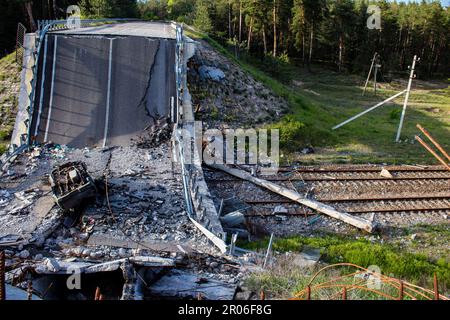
[(185, 285), (10, 240), (308, 258), (17, 294), (104, 240), (233, 219)]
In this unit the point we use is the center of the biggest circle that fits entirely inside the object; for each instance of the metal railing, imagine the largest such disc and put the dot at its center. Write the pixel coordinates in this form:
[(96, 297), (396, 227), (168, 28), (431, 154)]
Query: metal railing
[(20, 40), (190, 176)]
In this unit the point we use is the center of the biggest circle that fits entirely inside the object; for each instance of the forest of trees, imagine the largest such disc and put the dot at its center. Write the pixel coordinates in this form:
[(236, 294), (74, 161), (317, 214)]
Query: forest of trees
[(331, 32)]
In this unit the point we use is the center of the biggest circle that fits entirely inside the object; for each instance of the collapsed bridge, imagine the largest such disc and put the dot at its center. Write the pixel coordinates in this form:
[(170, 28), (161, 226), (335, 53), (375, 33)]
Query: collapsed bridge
[(103, 85)]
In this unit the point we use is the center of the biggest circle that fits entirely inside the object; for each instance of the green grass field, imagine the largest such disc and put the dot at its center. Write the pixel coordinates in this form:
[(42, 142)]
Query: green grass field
[(321, 99), (9, 80), (371, 138)]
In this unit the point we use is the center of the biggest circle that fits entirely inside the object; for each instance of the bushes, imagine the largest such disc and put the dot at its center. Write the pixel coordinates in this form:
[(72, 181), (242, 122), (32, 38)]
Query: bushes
[(391, 260), (295, 135), (292, 134)]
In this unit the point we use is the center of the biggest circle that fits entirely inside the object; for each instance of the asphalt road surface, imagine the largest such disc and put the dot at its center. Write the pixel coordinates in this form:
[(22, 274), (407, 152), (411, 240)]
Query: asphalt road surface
[(102, 90)]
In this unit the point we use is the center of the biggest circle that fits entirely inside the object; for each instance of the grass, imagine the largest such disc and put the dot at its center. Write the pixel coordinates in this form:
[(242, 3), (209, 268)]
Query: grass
[(9, 82), (325, 98), (391, 258), (285, 280)]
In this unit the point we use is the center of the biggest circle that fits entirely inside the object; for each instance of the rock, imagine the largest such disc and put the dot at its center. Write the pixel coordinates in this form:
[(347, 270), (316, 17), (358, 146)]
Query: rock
[(123, 253), (77, 251), (38, 257), (280, 218), (86, 253), (97, 254), (52, 265), (36, 153), (213, 265), (309, 257), (245, 294), (413, 236), (214, 74), (386, 174), (280, 210), (24, 254), (308, 150)]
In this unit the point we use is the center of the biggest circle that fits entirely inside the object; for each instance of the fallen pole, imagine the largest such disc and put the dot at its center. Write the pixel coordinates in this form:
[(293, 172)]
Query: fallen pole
[(357, 222), (428, 135), (426, 146), (369, 110)]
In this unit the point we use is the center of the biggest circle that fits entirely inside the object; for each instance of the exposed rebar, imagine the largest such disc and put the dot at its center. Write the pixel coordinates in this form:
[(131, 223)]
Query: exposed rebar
[(436, 288), (30, 290)]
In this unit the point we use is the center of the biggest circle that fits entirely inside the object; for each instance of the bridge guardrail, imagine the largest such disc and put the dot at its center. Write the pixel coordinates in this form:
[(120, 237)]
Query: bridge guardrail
[(190, 181)]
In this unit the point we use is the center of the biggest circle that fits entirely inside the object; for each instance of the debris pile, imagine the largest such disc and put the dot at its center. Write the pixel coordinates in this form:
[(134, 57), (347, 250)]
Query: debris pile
[(223, 93), (154, 136), (137, 225)]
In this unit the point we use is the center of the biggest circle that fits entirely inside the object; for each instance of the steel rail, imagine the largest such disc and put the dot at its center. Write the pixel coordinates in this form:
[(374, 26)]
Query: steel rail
[(362, 211), (375, 170), (215, 180), (368, 199)]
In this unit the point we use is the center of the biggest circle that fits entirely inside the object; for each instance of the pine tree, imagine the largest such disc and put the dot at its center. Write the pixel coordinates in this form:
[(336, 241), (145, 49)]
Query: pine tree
[(202, 20)]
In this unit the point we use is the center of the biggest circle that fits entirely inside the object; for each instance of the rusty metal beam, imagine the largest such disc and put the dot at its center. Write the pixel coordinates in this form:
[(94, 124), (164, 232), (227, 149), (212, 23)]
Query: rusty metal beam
[(436, 288)]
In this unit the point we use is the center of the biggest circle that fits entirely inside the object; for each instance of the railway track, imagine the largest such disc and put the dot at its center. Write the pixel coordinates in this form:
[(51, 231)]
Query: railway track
[(356, 190)]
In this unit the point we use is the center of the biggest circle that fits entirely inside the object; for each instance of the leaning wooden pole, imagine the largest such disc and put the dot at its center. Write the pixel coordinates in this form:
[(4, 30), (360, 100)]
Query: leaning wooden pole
[(428, 135), (430, 150), (357, 222)]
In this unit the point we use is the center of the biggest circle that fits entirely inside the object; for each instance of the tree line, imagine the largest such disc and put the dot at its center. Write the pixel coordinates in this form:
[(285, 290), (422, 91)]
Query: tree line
[(332, 32)]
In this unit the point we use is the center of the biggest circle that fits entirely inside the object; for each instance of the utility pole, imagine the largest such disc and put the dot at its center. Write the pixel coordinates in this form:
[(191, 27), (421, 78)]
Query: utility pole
[(370, 72), (375, 76), (408, 91), (375, 79)]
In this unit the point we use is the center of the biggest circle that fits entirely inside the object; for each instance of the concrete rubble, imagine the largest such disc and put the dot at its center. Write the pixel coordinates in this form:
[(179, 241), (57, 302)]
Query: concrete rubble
[(138, 221), (223, 94)]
